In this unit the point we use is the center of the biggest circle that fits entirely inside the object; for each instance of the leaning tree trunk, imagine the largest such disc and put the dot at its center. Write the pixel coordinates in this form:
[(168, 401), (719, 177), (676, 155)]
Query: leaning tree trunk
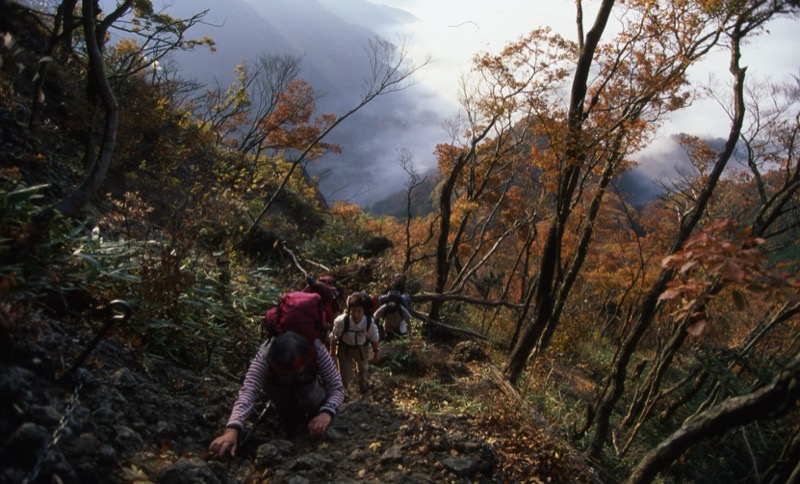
[(443, 253), (551, 254), (771, 401), (76, 200), (615, 382)]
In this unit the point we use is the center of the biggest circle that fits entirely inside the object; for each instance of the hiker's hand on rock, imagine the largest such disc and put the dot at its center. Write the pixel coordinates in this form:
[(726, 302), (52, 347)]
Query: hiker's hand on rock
[(225, 443), (319, 425)]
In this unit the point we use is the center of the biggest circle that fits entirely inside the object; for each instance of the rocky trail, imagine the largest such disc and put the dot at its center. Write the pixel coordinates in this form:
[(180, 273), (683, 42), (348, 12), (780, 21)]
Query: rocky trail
[(130, 418)]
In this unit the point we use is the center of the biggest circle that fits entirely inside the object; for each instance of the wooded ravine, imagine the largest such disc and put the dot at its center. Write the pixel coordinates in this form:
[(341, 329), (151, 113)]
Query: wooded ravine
[(561, 334)]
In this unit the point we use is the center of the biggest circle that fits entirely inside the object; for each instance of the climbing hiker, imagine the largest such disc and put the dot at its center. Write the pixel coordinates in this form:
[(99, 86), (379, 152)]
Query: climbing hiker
[(396, 320), (354, 331), (299, 378)]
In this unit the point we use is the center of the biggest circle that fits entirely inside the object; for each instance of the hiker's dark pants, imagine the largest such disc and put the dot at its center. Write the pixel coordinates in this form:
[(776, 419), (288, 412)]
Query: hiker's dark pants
[(296, 404), (293, 417)]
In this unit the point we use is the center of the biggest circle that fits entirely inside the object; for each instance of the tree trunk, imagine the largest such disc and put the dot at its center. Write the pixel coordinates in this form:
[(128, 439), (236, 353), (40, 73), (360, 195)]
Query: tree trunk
[(443, 254), (771, 401), (562, 291), (615, 383), (551, 254), (76, 200), (442, 261)]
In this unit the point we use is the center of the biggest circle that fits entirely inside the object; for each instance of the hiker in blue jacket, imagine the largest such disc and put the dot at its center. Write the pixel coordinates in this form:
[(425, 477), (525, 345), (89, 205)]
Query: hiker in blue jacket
[(301, 381)]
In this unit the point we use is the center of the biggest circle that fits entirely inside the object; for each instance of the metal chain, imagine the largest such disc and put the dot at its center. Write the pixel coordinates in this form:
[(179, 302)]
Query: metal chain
[(117, 310), (62, 425)]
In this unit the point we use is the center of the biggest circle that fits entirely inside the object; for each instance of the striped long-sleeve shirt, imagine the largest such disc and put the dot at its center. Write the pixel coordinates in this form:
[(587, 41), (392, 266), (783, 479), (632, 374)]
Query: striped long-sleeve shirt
[(256, 378)]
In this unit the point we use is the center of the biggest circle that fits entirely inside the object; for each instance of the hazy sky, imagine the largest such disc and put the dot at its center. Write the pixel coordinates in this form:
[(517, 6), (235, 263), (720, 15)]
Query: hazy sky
[(451, 33)]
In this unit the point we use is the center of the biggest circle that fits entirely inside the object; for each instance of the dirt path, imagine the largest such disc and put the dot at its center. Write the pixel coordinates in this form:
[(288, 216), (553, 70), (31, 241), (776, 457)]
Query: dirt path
[(431, 415)]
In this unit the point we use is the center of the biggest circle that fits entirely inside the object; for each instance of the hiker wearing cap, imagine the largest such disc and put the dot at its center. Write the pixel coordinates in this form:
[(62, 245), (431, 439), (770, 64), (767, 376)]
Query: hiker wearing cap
[(300, 379), (354, 334)]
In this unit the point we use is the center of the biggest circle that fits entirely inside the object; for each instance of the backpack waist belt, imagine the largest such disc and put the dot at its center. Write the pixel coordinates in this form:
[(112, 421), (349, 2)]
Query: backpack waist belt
[(343, 343)]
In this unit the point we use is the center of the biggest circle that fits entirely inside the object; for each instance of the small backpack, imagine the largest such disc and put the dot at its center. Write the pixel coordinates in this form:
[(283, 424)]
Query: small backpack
[(301, 312), (376, 303), (325, 286), (396, 297)]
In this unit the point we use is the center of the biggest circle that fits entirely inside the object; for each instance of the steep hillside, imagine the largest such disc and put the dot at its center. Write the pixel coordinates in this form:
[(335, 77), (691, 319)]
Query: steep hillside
[(194, 211), (84, 401), (433, 414)]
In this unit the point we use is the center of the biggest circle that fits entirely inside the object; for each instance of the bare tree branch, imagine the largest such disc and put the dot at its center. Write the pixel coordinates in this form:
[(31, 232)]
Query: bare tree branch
[(770, 401), (391, 72)]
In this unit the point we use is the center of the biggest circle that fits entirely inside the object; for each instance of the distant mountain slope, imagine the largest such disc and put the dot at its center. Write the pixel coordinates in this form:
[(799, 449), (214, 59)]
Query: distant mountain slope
[(423, 200), (360, 12), (331, 36), (334, 61), (331, 49)]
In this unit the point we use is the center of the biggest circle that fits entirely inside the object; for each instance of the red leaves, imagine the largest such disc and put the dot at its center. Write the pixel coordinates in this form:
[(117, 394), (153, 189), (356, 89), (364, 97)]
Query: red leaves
[(717, 257), (290, 125)]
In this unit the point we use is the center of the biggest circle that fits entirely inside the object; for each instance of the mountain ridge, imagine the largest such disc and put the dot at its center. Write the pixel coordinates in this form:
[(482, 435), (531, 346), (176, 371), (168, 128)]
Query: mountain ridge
[(330, 39), (334, 61)]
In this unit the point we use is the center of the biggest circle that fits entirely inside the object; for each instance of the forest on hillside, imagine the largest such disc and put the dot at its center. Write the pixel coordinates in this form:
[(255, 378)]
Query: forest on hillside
[(660, 343)]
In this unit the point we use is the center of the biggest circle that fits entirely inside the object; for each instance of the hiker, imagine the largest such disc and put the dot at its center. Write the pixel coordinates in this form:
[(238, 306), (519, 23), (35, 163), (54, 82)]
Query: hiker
[(396, 320), (396, 296), (353, 333), (299, 379)]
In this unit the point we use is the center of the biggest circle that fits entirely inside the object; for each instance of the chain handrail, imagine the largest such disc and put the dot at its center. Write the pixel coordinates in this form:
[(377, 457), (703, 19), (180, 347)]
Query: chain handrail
[(116, 311)]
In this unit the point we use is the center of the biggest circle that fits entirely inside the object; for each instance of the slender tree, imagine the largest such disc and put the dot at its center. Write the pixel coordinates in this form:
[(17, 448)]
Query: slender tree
[(737, 25), (390, 72), (75, 201)]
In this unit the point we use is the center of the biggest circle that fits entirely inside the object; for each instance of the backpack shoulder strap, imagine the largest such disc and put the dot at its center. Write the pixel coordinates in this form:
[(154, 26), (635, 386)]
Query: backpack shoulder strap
[(347, 323)]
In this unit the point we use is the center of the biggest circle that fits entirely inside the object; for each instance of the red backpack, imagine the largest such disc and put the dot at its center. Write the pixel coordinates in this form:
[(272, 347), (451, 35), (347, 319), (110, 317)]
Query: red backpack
[(301, 312)]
